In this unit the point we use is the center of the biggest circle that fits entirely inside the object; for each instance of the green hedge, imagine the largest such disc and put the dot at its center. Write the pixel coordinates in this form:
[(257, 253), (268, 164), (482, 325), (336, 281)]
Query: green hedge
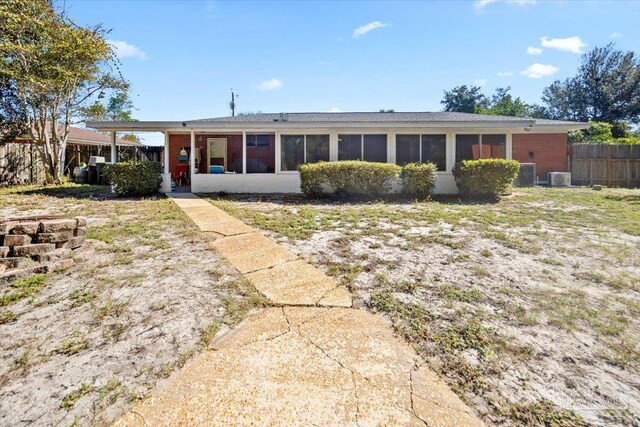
[(348, 178), (134, 178), (485, 177), (419, 179)]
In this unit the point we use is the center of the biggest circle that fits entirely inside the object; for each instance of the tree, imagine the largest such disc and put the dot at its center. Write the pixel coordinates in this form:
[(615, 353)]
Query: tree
[(56, 67), (503, 104), (119, 107), (390, 110), (11, 112), (464, 99), (606, 88)]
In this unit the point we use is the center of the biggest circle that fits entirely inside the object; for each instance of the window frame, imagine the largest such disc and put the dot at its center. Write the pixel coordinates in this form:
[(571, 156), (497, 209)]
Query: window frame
[(257, 145), (421, 134), (507, 143), (304, 135), (362, 135)]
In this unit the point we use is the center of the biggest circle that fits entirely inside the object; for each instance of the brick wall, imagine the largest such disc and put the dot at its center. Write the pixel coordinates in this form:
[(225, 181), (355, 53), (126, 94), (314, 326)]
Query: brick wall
[(234, 150), (547, 151)]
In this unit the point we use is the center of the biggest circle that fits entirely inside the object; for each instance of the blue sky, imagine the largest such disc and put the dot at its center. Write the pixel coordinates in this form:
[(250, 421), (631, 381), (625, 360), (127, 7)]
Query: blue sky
[(183, 57)]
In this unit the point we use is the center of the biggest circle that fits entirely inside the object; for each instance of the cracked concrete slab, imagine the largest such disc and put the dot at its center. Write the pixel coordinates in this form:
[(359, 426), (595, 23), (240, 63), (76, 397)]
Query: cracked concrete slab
[(251, 252), (298, 283), (209, 218), (316, 371), (297, 364)]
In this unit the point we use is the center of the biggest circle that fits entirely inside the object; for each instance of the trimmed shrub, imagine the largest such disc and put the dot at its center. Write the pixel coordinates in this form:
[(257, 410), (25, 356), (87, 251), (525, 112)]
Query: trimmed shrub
[(134, 178), (485, 177), (419, 179), (348, 178)]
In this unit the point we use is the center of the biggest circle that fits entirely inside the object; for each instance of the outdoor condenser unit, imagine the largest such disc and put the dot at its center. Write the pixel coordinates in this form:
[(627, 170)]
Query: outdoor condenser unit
[(526, 176), (559, 179)]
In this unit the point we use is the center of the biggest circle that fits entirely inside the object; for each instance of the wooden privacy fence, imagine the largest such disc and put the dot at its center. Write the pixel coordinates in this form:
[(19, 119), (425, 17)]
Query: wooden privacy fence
[(613, 165)]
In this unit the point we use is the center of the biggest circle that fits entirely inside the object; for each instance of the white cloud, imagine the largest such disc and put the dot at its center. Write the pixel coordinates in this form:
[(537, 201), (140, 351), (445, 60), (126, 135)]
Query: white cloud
[(126, 50), (481, 4), (505, 73), (480, 82), (538, 71), (272, 84), (361, 31), (615, 35), (534, 50), (335, 110), (569, 44)]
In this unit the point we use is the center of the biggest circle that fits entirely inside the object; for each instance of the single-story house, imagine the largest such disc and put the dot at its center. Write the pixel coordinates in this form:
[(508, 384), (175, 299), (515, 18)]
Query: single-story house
[(260, 153)]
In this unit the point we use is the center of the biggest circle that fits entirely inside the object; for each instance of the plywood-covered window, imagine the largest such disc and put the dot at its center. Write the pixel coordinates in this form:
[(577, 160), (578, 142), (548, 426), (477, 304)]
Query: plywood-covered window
[(481, 146)]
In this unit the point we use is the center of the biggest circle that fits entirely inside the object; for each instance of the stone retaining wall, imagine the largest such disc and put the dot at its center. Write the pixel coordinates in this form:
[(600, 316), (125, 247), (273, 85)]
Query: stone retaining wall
[(42, 240)]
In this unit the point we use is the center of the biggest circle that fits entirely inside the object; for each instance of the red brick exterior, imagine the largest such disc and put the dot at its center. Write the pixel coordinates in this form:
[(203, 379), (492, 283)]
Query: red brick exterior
[(548, 151), (234, 150)]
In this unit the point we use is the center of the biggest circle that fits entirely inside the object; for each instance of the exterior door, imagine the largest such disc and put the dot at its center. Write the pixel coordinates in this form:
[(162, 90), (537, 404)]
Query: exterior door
[(216, 152)]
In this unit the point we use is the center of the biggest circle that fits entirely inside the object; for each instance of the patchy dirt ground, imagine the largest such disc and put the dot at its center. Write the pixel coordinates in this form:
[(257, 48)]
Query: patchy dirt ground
[(529, 308), (145, 294)]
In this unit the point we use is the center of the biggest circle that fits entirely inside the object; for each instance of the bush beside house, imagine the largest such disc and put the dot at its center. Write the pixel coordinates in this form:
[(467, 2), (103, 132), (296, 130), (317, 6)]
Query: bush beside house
[(418, 179), (134, 178), (348, 178), (485, 177)]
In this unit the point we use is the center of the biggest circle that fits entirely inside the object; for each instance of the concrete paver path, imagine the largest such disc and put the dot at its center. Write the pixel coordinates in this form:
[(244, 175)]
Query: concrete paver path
[(297, 363)]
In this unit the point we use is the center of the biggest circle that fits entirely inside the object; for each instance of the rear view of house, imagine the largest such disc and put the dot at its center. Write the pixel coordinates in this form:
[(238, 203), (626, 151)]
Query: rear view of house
[(260, 153)]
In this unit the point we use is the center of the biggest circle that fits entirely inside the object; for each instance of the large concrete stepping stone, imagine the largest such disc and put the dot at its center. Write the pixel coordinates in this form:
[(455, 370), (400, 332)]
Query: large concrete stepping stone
[(297, 283), (251, 252), (209, 218), (289, 366)]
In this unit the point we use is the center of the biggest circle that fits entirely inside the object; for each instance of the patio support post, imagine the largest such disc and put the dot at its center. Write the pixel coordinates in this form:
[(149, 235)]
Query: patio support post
[(244, 152), (166, 153), (192, 157), (114, 148)]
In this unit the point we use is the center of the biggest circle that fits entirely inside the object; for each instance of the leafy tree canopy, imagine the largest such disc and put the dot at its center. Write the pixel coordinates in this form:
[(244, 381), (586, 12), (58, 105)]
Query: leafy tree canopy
[(606, 88), (464, 99), (502, 103), (53, 67), (118, 107)]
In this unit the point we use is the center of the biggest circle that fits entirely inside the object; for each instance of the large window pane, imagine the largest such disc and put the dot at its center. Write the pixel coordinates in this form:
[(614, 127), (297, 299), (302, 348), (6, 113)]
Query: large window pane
[(292, 152), (349, 147), (375, 148), (467, 147), (494, 146), (407, 149), (317, 148), (434, 150)]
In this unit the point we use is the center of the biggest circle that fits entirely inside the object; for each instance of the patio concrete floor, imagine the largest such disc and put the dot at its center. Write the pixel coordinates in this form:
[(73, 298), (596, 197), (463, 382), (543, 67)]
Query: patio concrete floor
[(309, 359)]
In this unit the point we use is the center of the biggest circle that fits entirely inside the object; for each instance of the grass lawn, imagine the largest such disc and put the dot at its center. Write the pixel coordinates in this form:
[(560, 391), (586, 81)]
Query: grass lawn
[(145, 294), (529, 307)]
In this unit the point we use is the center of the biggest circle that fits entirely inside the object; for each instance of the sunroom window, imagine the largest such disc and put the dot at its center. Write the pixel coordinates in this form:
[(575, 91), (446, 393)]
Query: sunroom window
[(422, 148), (299, 149), (370, 148), (473, 147)]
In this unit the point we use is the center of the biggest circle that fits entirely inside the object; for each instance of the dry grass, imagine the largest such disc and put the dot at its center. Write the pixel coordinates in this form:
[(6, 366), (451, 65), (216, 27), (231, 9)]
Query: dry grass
[(528, 307), (144, 296)]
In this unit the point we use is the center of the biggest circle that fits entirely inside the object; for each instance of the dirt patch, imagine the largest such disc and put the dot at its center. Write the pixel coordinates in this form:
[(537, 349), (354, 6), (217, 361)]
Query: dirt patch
[(529, 308), (145, 294)]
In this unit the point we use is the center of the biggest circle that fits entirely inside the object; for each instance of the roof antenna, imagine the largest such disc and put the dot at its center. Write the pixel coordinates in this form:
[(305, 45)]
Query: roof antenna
[(232, 104)]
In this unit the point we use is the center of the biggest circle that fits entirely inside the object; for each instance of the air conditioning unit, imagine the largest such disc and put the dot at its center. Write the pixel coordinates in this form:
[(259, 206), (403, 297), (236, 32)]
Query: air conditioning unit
[(559, 179), (527, 175)]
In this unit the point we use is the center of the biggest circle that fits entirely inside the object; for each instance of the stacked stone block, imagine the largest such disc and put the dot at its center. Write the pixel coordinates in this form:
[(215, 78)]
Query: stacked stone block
[(42, 240)]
